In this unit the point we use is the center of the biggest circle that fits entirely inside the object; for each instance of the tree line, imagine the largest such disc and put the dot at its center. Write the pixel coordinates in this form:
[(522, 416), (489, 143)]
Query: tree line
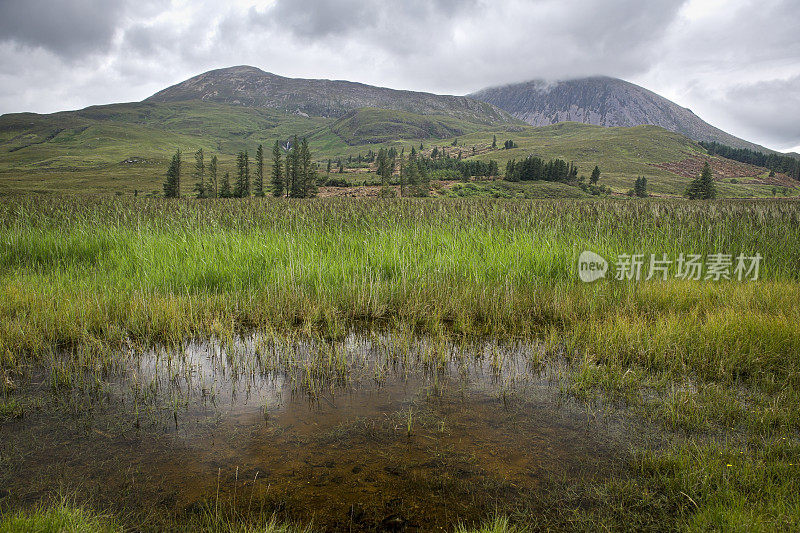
[(413, 175), (293, 174), (466, 168), (775, 162), (534, 168)]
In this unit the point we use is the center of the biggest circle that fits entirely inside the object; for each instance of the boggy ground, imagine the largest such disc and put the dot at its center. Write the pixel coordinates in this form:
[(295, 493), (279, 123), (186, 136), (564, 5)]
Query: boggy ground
[(393, 433), (711, 368)]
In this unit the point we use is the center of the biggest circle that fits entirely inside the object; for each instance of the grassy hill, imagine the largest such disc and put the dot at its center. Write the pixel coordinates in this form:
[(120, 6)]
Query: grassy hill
[(121, 148), (370, 126), (622, 154)]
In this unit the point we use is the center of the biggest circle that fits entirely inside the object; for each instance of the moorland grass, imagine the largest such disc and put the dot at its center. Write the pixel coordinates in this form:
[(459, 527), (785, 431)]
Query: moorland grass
[(716, 364)]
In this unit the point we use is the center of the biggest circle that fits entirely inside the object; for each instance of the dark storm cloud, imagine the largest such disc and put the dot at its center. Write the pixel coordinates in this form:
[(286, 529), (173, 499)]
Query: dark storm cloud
[(64, 27)]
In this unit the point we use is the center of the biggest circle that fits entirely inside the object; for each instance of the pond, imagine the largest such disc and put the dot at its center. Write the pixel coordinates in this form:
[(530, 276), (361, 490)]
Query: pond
[(376, 431)]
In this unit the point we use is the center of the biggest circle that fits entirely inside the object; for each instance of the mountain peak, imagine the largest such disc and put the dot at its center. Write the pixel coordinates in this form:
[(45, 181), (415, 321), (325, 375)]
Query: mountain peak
[(252, 87), (602, 101)]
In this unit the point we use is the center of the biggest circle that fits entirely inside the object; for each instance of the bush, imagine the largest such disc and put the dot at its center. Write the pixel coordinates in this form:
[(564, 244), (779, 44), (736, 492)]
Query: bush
[(445, 174), (336, 182)]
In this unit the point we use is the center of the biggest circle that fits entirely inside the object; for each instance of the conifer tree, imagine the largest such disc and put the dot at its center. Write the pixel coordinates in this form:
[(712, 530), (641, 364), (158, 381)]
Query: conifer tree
[(225, 186), (199, 174), (702, 187), (172, 184), (494, 142), (595, 175), (258, 182), (277, 171), (287, 171), (414, 176), (296, 186), (308, 172), (385, 168), (707, 185), (242, 175), (640, 187), (212, 191)]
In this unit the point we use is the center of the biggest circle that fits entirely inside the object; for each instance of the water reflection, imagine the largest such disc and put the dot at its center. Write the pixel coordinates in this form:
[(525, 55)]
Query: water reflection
[(377, 431)]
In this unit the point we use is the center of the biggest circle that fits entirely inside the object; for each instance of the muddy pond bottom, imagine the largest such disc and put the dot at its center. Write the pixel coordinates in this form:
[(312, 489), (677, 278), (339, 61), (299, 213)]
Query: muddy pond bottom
[(376, 432)]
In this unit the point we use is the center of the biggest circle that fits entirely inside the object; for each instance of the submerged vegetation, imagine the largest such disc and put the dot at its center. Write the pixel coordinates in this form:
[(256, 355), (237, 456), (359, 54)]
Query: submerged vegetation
[(712, 365)]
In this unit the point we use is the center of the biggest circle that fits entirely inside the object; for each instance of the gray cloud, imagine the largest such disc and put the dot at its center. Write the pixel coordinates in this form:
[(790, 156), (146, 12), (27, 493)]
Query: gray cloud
[(767, 109), (736, 63), (66, 27)]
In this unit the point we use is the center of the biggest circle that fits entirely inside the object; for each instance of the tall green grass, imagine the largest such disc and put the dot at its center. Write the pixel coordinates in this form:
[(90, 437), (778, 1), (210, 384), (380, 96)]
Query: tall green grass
[(156, 270), (716, 362)]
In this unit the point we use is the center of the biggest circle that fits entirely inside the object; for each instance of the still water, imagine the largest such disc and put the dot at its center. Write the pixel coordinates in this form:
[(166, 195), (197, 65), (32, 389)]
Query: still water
[(371, 432)]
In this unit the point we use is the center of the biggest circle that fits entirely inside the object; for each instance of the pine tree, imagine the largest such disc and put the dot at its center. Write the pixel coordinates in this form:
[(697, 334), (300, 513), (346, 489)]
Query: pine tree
[(211, 191), (225, 186), (172, 184), (385, 168), (494, 142), (415, 176), (242, 175), (707, 187), (702, 187), (199, 174), (308, 172), (287, 171), (595, 177), (277, 171), (296, 186), (640, 187), (258, 182)]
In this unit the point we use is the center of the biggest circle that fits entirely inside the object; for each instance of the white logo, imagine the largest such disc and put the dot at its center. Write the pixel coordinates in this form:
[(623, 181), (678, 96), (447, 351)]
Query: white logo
[(591, 267)]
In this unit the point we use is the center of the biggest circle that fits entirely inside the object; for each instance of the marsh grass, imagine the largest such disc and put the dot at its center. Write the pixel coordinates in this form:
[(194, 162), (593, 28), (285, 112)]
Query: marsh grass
[(82, 271), (715, 363), (61, 516)]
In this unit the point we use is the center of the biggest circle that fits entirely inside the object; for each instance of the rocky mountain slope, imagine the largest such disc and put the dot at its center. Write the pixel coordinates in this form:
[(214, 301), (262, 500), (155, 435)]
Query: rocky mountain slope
[(602, 101), (252, 87)]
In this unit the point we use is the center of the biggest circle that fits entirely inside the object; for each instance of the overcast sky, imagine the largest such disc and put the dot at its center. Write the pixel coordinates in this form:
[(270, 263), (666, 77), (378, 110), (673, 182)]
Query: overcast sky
[(735, 63)]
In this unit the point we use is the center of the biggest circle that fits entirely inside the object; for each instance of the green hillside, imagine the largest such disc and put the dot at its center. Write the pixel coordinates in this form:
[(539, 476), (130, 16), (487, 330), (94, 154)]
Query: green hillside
[(121, 149), (621, 153), (369, 126)]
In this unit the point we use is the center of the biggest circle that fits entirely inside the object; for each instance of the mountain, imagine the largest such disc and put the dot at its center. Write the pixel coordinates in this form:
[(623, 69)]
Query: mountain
[(603, 101), (124, 148), (252, 87)]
